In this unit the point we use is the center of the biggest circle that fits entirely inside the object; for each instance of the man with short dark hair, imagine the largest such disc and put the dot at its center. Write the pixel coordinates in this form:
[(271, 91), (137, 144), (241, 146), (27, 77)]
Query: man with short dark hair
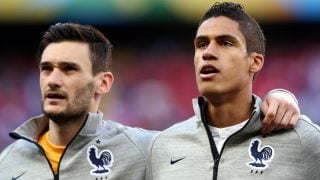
[(223, 139), (71, 140)]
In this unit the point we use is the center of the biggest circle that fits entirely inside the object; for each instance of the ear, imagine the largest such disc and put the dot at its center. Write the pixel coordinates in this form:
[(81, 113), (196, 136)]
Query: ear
[(256, 62), (104, 82)]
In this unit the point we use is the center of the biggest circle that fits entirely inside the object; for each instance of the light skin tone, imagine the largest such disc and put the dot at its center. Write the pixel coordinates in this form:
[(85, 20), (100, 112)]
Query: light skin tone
[(224, 71), (279, 115), (69, 89)]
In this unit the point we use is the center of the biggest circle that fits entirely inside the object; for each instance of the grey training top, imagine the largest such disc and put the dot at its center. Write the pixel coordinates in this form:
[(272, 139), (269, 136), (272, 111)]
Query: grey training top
[(184, 151), (101, 150)]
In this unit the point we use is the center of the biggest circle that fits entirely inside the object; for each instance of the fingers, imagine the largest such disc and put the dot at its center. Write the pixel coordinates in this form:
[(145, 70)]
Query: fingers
[(284, 122), (281, 112), (293, 119), (279, 117), (270, 114), (288, 119), (282, 117)]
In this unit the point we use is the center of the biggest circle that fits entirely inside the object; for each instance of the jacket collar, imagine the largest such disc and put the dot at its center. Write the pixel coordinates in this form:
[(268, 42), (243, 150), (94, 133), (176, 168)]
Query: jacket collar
[(35, 126), (253, 125), (92, 124)]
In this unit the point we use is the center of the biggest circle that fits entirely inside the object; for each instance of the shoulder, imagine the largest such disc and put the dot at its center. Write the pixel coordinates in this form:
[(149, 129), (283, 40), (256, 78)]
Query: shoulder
[(309, 136), (140, 138), (5, 152), (16, 149), (186, 125), (309, 133), (6, 158), (134, 134), (177, 133), (140, 135), (305, 126)]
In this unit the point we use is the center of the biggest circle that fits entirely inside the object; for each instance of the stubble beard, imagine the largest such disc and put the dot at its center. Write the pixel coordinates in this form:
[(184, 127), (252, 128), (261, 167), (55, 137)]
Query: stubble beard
[(77, 109)]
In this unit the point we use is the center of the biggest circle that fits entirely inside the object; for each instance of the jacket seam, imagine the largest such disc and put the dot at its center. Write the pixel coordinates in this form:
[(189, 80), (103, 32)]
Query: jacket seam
[(141, 153), (7, 152)]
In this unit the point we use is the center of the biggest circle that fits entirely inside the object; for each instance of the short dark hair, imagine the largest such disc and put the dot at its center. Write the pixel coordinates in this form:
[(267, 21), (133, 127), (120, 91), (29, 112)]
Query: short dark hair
[(251, 30), (99, 46)]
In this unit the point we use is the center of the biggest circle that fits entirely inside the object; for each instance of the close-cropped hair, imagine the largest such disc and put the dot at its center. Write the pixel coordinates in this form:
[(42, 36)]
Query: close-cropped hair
[(99, 46), (255, 39)]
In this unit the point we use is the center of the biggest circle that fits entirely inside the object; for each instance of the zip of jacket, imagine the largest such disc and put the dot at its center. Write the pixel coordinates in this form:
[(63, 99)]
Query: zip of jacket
[(214, 151), (213, 147), (18, 136), (55, 176)]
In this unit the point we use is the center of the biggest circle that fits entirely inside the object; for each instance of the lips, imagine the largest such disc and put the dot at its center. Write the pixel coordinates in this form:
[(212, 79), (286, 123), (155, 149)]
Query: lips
[(55, 95), (208, 71)]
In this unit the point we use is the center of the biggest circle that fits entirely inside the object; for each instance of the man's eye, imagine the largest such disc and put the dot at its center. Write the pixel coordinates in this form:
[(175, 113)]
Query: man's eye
[(45, 68), (227, 43), (202, 45), (70, 68)]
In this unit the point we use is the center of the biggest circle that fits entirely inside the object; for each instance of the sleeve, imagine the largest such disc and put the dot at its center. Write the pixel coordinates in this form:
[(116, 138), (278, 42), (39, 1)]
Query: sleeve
[(310, 141), (283, 91), (142, 138), (5, 152)]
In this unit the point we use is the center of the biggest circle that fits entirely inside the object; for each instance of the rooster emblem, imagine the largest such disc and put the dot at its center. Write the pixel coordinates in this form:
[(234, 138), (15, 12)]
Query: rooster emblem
[(260, 155), (101, 162)]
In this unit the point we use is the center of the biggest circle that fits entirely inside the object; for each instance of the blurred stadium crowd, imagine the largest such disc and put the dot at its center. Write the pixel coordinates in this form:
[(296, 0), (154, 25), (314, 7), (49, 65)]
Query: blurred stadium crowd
[(154, 83), (153, 62)]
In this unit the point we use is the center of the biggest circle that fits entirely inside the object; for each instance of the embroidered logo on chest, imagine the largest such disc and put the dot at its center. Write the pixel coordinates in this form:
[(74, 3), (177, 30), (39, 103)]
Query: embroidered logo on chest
[(102, 162), (261, 156)]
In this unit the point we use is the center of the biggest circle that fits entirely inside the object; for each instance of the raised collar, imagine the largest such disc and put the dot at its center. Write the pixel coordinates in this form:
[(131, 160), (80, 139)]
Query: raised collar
[(254, 123), (92, 124), (33, 127)]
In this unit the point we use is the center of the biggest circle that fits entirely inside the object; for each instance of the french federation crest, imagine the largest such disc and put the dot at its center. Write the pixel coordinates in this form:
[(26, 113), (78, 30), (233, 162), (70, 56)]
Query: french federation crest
[(100, 161), (260, 155)]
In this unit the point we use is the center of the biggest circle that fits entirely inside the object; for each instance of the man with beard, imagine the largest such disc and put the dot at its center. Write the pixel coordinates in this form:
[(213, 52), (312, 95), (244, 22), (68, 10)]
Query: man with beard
[(71, 140)]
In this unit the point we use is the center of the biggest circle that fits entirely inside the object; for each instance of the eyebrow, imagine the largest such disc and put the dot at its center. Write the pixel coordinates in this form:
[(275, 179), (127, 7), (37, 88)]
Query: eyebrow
[(227, 36), (41, 64), (223, 36), (198, 38), (47, 63)]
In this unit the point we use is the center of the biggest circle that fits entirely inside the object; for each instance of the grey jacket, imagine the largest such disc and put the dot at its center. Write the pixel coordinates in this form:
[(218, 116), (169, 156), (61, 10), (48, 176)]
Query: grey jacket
[(187, 151), (100, 150)]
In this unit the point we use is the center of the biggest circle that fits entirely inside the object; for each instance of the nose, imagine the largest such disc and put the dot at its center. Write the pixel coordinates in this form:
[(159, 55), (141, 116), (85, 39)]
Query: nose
[(55, 79), (210, 53)]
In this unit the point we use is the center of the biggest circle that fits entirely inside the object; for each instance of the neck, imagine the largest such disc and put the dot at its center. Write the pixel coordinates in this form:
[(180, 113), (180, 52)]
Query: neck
[(227, 111), (61, 133)]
